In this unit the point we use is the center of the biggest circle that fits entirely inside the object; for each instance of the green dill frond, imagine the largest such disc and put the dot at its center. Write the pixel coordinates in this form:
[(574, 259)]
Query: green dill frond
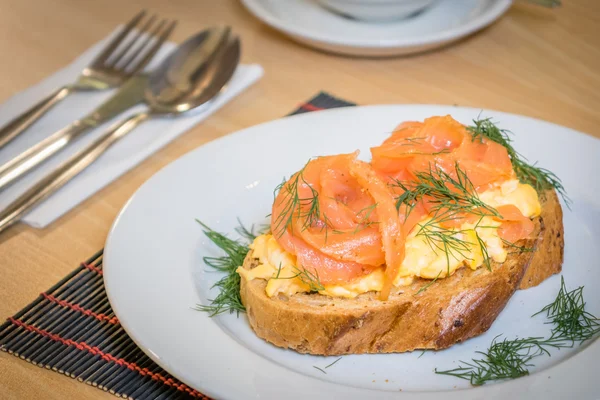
[(445, 193), (444, 240), (228, 299), (312, 280), (509, 359), (365, 213), (567, 314), (540, 178), (323, 371), (364, 216), (411, 195), (411, 141), (306, 208), (516, 248), (486, 129), (333, 363), (448, 197), (505, 359), (330, 365), (244, 232), (482, 246)]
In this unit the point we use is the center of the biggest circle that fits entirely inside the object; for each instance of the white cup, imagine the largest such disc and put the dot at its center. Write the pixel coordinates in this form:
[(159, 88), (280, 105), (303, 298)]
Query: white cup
[(377, 10)]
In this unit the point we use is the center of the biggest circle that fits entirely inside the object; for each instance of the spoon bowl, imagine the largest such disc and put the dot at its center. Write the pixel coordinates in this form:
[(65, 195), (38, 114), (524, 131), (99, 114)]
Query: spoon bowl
[(195, 73)]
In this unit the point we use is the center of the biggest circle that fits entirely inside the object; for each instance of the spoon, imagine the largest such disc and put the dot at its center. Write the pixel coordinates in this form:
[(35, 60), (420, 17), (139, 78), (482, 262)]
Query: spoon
[(182, 82)]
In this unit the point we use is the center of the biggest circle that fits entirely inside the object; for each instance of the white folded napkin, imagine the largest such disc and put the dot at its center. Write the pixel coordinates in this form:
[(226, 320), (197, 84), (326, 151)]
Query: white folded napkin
[(128, 152)]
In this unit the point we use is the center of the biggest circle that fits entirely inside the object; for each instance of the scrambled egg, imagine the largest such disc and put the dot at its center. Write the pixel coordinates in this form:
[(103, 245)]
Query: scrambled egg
[(521, 195), (424, 258)]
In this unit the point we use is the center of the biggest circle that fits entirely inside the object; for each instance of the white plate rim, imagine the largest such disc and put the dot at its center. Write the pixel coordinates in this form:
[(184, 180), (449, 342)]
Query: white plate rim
[(565, 369), (495, 11)]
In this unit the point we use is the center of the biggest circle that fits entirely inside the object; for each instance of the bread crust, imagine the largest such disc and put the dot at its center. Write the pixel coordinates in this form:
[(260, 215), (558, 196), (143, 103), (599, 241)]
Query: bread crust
[(450, 311)]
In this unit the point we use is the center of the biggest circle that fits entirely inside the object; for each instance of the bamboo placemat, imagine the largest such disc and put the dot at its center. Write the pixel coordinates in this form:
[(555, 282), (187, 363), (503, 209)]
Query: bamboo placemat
[(72, 329)]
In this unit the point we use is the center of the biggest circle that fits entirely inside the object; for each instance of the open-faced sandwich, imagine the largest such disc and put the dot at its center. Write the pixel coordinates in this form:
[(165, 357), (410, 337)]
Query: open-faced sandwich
[(419, 249)]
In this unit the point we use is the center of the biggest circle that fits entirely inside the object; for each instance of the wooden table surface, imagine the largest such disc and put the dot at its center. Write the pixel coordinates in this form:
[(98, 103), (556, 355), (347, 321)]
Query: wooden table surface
[(536, 62)]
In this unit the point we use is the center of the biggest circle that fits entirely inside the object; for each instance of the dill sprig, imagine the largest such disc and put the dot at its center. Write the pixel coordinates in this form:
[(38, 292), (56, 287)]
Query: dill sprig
[(507, 359), (310, 279), (447, 241), (411, 141), (306, 208), (567, 314), (504, 359), (540, 178), (365, 215), (435, 153), (323, 371), (448, 197), (516, 248), (228, 299), (333, 363), (330, 365), (482, 246), (244, 232)]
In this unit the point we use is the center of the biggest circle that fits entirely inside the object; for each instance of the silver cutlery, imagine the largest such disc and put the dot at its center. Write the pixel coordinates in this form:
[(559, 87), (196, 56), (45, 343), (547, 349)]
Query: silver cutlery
[(119, 60), (183, 82), (129, 95)]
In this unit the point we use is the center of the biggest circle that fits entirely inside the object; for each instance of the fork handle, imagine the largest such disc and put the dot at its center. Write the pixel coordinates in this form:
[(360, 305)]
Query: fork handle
[(66, 171), (38, 153), (15, 127)]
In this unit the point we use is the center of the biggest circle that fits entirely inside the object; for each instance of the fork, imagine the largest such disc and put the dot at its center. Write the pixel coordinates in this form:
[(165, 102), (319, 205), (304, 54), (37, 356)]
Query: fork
[(118, 61)]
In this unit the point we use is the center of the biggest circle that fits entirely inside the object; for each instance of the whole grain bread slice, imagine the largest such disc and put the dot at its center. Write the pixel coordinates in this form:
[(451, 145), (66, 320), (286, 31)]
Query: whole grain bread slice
[(449, 311)]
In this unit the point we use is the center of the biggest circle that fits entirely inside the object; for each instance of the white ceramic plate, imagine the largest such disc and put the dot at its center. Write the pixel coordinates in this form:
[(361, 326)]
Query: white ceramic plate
[(154, 272), (445, 21)]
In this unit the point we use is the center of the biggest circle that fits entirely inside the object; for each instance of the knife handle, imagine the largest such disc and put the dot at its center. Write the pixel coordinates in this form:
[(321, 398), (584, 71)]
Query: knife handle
[(38, 153), (15, 127), (66, 171)]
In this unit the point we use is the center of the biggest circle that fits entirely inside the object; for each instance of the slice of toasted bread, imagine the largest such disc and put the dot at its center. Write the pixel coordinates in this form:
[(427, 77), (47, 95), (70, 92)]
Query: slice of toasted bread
[(449, 311)]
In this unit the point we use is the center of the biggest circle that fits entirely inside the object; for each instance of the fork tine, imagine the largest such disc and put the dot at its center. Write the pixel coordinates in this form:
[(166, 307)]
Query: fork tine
[(157, 45), (107, 51), (133, 55), (114, 61)]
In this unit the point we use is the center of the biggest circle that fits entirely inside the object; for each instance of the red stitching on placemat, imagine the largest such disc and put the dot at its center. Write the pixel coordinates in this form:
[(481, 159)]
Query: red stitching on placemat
[(109, 357), (92, 268), (311, 107), (77, 307)]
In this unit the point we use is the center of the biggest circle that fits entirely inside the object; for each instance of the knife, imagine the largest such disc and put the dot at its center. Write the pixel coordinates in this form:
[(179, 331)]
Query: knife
[(130, 94)]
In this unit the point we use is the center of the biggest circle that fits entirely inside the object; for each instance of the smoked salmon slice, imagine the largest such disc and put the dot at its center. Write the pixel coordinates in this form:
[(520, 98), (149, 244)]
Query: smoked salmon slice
[(441, 141), (515, 225), (392, 234), (324, 217)]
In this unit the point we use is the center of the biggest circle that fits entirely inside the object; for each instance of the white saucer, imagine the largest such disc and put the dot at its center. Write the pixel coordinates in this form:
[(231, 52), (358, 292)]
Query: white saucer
[(446, 21)]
